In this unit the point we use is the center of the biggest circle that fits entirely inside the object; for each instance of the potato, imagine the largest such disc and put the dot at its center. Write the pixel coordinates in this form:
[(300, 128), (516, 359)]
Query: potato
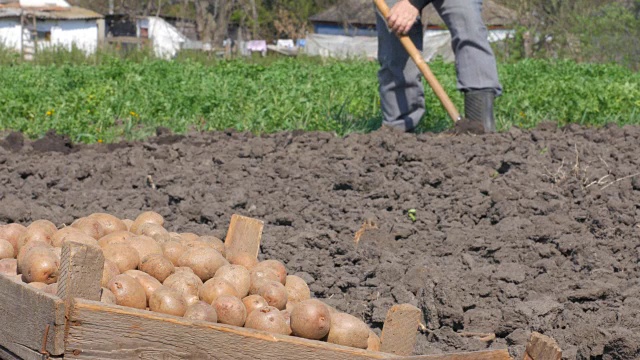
[(109, 271), (236, 275), (204, 262), (310, 319), (58, 252), (290, 305), (277, 266), (214, 288), (107, 297), (37, 285), (181, 269), (254, 302), (109, 223), (191, 244), (51, 289), (9, 267), (347, 330), (123, 255), (128, 292), (46, 225), (287, 317), (187, 236), (11, 233), (61, 235), (6, 250), (213, 242), (30, 246), (157, 266), (148, 282), (243, 259), (128, 223), (89, 226), (274, 293), (268, 319), (71, 234), (230, 310), (146, 217), (297, 289), (258, 276), (187, 284), (41, 232), (156, 232), (174, 236), (173, 250), (116, 237), (373, 342), (40, 265), (201, 311), (167, 301), (145, 246)]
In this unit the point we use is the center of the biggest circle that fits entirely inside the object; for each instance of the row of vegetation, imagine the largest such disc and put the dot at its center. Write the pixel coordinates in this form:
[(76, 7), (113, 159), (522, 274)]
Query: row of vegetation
[(108, 98)]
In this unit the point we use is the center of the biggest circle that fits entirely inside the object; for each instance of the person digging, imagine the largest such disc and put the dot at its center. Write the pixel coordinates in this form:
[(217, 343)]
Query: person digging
[(400, 86)]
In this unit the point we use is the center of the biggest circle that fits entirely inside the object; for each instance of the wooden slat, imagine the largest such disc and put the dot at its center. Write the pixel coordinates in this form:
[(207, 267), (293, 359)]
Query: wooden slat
[(24, 315), (541, 347), (476, 355), (80, 272), (23, 354), (5, 354), (243, 236), (101, 331), (400, 329)]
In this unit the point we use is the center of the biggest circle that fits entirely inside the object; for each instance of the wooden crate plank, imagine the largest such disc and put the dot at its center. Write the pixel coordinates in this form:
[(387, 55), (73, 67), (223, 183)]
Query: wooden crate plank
[(19, 353), (400, 329), (80, 271), (541, 347), (243, 236), (101, 331), (25, 313), (476, 355), (23, 354)]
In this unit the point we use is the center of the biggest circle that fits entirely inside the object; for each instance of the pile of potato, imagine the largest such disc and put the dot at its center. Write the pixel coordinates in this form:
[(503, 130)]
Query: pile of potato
[(181, 274)]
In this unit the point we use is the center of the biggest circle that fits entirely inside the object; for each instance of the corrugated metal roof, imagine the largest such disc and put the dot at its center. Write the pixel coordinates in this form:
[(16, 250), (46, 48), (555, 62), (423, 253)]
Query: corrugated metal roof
[(52, 13)]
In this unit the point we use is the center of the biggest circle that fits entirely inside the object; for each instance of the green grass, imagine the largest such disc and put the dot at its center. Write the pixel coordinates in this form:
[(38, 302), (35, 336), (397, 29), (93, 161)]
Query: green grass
[(111, 98)]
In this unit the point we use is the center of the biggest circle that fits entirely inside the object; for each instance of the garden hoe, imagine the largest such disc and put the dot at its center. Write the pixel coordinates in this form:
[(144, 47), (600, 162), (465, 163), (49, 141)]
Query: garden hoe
[(461, 125)]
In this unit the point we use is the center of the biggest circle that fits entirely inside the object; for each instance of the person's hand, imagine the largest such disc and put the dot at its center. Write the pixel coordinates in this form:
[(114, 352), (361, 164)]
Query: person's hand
[(402, 16)]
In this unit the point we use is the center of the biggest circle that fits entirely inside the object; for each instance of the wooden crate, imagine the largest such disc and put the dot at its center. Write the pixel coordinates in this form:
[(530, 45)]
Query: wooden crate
[(93, 330), (72, 325)]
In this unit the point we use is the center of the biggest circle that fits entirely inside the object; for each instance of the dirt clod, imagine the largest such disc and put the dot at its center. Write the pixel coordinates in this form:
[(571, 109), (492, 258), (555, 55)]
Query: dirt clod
[(528, 230)]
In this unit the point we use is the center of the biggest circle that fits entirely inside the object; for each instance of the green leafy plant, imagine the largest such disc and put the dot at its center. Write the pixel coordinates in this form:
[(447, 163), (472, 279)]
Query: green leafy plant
[(412, 214), (93, 99)]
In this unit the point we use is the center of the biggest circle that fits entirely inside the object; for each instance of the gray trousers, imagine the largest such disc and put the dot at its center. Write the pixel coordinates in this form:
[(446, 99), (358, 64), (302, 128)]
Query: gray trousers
[(401, 89)]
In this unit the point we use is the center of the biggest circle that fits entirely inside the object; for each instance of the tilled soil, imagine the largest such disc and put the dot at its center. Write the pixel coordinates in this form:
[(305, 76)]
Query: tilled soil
[(516, 232)]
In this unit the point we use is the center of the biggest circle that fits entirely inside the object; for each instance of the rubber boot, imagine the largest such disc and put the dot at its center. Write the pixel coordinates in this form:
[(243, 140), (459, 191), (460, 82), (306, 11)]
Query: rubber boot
[(478, 106)]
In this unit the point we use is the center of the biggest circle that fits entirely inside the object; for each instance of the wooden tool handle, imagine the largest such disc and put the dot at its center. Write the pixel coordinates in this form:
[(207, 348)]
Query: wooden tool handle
[(422, 65)]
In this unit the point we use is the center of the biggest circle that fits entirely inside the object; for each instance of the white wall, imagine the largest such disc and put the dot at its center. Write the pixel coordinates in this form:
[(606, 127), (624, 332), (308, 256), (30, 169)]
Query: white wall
[(166, 39), (10, 33), (43, 3), (81, 33), (64, 33)]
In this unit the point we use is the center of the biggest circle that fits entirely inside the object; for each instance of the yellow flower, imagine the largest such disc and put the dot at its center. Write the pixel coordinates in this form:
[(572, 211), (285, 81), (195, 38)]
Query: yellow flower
[(100, 141), (50, 112), (133, 113)]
